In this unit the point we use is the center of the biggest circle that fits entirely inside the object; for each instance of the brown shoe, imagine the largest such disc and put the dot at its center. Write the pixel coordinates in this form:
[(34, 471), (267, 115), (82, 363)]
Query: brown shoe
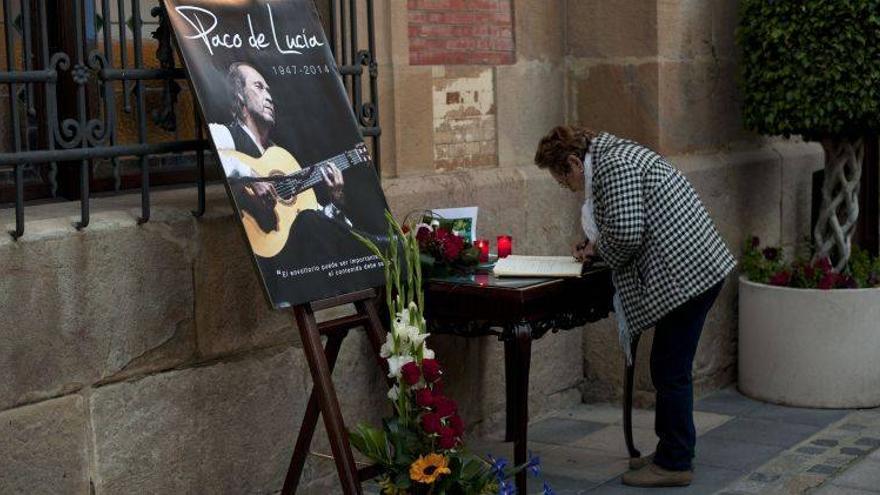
[(653, 475), (640, 462)]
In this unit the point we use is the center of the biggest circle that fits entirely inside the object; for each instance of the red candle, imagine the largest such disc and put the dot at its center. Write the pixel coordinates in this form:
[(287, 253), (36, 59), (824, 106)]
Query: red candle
[(482, 279), (505, 243), (483, 246)]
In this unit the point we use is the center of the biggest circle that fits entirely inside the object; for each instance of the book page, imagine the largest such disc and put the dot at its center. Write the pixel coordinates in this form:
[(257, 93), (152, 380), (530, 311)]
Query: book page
[(538, 266)]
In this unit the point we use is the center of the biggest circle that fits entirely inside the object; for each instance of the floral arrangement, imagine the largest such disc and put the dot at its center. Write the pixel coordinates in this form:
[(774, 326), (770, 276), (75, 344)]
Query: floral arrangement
[(441, 246), (420, 448), (768, 266)]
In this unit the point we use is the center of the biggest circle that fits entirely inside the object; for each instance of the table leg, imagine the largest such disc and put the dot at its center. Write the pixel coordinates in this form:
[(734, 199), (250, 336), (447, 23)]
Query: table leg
[(628, 400), (522, 359), (511, 378)]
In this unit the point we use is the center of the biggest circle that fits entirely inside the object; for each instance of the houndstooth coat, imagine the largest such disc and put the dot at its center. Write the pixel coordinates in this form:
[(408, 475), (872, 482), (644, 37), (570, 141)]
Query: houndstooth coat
[(653, 231)]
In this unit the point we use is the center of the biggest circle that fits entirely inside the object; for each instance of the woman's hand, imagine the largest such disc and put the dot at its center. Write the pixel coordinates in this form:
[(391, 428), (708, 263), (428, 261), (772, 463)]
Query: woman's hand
[(584, 251)]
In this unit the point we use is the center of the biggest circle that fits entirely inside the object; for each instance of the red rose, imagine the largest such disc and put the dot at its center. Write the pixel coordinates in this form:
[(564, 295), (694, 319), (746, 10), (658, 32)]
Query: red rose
[(448, 438), (424, 398), (829, 280), (431, 423), (452, 249), (441, 234), (781, 278), (411, 373), (445, 406), (456, 424), (431, 370), (423, 235)]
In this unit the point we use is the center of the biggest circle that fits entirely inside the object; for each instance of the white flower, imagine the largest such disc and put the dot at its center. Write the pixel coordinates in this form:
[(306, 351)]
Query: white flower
[(397, 362), (427, 353), (394, 392), (387, 348), (419, 226), (418, 338)]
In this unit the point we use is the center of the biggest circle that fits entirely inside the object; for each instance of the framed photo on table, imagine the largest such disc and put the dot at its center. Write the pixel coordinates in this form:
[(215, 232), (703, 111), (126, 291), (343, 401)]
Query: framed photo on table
[(460, 221)]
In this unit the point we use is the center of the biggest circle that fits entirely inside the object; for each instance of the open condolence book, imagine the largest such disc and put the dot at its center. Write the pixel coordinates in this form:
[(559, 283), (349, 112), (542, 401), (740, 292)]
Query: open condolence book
[(538, 266)]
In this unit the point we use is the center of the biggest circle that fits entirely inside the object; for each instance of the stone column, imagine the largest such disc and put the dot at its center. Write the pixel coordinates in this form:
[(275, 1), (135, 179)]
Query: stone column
[(659, 72)]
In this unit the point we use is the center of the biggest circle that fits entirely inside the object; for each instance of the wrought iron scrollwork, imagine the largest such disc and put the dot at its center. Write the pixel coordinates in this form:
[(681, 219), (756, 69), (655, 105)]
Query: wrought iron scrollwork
[(366, 111), (71, 81)]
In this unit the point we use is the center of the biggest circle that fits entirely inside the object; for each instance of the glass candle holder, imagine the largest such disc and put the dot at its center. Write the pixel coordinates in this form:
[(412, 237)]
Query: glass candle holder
[(505, 246), (483, 246)]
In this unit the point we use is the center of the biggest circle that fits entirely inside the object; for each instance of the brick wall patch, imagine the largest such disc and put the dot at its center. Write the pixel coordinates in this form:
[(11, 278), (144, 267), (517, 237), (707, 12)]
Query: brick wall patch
[(464, 118), (461, 32)]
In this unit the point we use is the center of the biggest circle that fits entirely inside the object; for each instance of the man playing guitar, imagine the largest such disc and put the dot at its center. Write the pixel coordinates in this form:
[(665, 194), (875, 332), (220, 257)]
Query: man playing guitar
[(253, 112)]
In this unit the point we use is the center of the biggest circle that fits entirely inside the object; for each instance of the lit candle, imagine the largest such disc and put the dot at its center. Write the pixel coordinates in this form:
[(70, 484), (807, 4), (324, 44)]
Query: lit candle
[(483, 246), (505, 243), (482, 279)]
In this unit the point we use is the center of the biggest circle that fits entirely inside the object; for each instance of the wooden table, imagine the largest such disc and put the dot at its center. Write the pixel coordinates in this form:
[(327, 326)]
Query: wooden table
[(518, 311)]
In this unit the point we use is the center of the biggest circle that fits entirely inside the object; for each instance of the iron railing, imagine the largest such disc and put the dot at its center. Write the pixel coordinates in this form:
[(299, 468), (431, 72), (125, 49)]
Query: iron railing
[(76, 71)]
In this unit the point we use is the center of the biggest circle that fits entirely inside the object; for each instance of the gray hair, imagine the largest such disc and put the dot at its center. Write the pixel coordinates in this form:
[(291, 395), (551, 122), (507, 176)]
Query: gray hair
[(236, 82)]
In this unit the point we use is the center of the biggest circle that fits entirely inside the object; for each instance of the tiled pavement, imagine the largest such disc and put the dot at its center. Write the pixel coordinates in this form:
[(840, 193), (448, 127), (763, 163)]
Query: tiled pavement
[(743, 447)]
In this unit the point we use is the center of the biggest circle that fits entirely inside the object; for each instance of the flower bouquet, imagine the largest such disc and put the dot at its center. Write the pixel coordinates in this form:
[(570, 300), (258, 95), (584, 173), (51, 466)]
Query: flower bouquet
[(442, 247), (420, 448), (768, 266)]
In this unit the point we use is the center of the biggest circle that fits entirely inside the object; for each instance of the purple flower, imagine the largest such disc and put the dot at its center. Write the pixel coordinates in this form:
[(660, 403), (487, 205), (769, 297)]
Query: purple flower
[(498, 466), (547, 489), (771, 254), (534, 465), (506, 488)]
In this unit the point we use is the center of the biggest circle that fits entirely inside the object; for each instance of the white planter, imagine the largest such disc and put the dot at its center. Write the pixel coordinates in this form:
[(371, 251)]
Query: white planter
[(809, 347)]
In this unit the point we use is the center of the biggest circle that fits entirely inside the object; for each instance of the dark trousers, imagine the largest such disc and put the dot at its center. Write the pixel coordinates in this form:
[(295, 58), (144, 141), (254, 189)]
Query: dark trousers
[(672, 358)]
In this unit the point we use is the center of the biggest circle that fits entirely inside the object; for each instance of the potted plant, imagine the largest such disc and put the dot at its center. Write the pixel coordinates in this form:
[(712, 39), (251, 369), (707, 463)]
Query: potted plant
[(809, 334), (812, 68)]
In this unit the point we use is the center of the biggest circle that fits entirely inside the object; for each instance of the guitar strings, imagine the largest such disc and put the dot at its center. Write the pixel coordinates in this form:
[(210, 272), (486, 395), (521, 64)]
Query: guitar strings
[(288, 186)]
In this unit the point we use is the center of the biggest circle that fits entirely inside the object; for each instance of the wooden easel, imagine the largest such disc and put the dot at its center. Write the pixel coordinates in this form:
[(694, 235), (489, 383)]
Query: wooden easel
[(323, 400)]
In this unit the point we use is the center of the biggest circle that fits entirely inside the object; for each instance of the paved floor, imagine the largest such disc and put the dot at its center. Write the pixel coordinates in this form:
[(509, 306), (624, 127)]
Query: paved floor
[(744, 447)]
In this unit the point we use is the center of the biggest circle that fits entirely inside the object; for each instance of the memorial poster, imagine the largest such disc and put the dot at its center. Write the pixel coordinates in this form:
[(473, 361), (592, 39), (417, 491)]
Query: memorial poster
[(296, 167)]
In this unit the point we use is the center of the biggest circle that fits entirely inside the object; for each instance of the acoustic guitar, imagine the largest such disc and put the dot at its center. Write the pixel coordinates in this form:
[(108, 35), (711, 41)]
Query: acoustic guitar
[(293, 190)]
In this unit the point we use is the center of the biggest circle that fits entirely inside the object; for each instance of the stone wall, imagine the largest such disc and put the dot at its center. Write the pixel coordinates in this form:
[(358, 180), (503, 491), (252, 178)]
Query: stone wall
[(144, 359)]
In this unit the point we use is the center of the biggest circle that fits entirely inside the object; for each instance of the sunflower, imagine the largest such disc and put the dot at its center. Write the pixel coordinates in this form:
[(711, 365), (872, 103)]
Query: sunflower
[(428, 468)]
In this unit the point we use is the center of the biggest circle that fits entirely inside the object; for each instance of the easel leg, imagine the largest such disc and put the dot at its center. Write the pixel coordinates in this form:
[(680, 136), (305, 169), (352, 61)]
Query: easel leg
[(310, 421), (327, 400), (628, 400)]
